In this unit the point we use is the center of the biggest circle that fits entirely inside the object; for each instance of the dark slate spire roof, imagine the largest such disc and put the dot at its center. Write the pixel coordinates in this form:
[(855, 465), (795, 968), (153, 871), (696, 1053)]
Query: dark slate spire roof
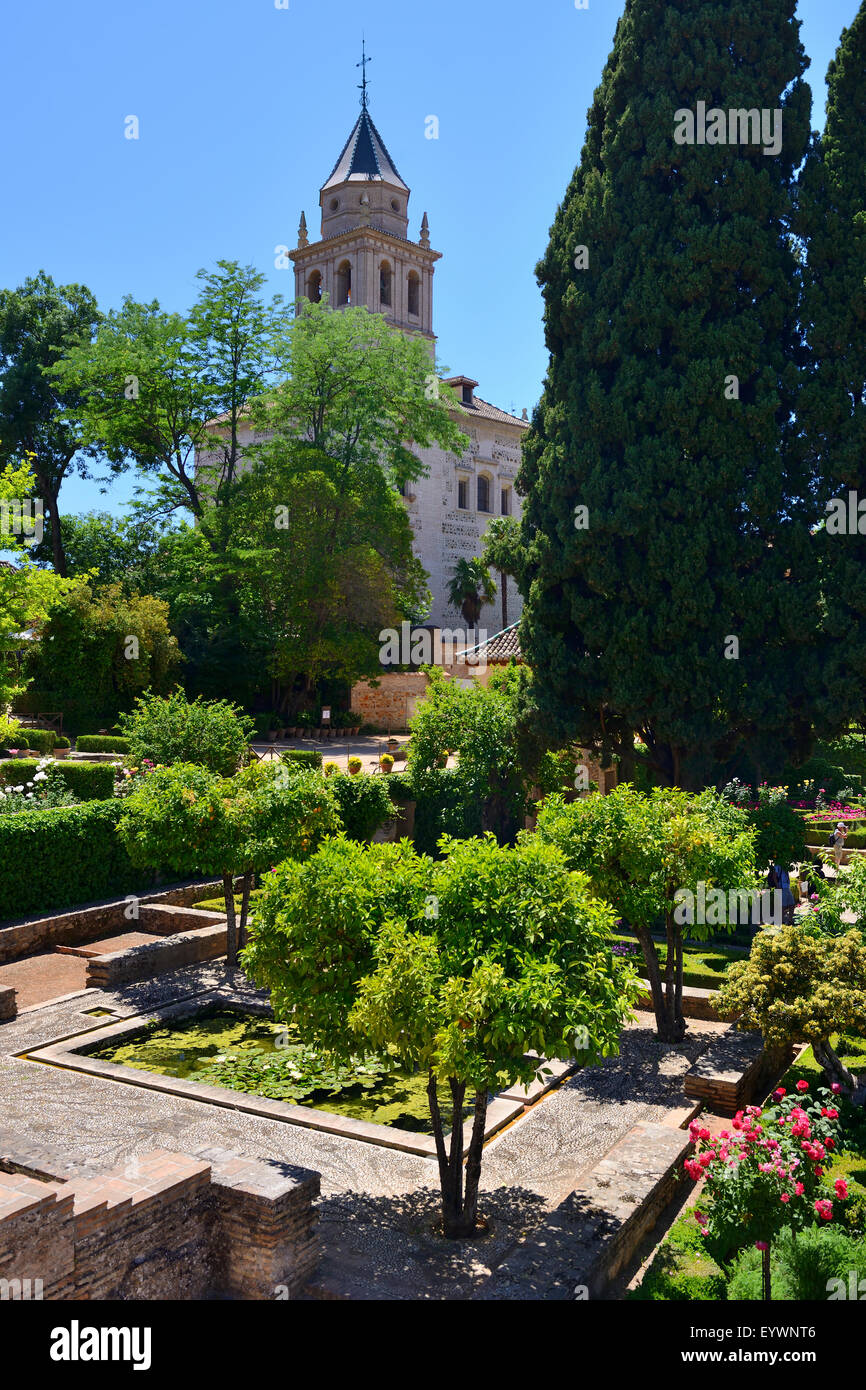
[(365, 157)]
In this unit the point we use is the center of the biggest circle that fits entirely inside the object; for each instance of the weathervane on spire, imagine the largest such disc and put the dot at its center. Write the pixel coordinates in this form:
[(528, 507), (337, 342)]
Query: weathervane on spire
[(362, 86)]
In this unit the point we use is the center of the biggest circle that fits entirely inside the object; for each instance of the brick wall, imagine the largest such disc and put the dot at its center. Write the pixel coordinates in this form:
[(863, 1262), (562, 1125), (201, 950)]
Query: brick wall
[(163, 1226), (88, 923), (391, 703)]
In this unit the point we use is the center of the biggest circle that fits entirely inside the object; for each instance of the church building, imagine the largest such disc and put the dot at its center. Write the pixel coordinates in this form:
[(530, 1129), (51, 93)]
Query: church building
[(365, 255)]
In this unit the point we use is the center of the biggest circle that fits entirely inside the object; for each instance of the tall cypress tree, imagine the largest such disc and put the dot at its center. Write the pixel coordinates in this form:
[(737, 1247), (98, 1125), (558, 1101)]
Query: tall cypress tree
[(832, 221), (675, 605)]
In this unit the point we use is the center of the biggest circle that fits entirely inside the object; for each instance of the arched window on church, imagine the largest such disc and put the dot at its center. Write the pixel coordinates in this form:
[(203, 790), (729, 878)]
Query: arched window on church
[(344, 283), (414, 294), (483, 493), (314, 287), (385, 282)]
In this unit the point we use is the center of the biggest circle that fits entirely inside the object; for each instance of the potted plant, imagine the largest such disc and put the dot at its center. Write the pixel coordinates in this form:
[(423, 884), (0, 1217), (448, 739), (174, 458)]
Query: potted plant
[(354, 723), (354, 766), (330, 768), (61, 747), (386, 762)]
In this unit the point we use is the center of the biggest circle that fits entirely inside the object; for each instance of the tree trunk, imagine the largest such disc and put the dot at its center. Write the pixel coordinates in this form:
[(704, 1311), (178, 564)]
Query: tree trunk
[(49, 499), (459, 1206), (765, 1274), (667, 999), (245, 908), (832, 1065), (231, 922)]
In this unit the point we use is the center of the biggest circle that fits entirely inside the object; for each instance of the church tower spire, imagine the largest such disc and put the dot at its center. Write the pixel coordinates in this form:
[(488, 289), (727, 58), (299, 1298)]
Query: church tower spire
[(364, 255)]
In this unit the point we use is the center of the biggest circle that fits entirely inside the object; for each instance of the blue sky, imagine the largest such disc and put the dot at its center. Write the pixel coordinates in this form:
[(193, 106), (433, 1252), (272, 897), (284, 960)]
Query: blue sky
[(243, 110)]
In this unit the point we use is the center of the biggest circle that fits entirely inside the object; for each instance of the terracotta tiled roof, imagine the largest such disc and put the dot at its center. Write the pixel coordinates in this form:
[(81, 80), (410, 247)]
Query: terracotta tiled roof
[(492, 412), (503, 647), (5, 565)]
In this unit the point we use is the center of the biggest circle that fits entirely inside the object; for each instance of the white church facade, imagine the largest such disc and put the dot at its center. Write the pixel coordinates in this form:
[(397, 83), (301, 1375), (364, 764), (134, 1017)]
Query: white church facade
[(364, 256)]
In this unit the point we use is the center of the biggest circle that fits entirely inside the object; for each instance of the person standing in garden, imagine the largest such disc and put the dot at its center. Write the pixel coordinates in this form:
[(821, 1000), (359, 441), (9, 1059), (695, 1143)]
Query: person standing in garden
[(839, 836)]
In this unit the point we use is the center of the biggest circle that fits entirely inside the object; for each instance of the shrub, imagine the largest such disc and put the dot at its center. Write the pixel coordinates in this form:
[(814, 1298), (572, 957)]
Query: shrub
[(364, 805), (307, 757), (10, 732), (52, 860), (102, 743), (209, 733), (801, 986), (85, 647), (814, 1267), (40, 740), (61, 742), (87, 781)]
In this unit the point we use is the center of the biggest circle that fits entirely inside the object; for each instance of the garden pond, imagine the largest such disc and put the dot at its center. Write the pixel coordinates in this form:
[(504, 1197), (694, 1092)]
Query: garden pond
[(262, 1058)]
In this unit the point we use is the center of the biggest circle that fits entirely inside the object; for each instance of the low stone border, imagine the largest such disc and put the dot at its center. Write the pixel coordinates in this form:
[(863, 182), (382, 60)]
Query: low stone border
[(112, 969), (597, 1229), (72, 1053), (8, 1003), (735, 1070), (80, 925)]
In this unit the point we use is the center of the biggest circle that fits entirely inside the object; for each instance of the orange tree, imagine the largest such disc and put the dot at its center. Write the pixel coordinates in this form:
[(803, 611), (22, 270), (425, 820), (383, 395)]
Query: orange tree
[(187, 819), (642, 854), (457, 969)]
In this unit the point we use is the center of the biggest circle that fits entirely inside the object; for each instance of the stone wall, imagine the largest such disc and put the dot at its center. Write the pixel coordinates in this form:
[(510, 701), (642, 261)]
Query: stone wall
[(162, 1226), (85, 924), (392, 702), (8, 1004), (116, 968)]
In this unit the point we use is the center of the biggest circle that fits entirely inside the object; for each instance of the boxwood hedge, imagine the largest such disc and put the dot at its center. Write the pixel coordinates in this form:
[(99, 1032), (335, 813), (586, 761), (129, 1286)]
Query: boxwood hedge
[(87, 781), (102, 743), (51, 860)]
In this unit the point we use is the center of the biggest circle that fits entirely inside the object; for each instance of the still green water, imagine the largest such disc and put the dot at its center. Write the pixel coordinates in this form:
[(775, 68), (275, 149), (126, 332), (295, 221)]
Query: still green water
[(263, 1058)]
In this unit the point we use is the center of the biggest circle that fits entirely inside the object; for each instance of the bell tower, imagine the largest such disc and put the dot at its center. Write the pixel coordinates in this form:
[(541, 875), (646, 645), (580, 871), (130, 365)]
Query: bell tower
[(364, 255)]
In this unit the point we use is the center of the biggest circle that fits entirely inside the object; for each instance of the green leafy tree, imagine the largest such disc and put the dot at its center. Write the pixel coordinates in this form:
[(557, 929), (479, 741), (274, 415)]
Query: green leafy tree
[(471, 586), (832, 223), (194, 822), (666, 508), (26, 593), (800, 985), (99, 649), (480, 724), (642, 854), (110, 549), (456, 970), (40, 321), (213, 734), (158, 388)]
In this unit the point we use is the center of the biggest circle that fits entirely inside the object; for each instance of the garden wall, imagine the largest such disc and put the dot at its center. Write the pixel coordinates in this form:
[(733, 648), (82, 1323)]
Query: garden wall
[(162, 1226), (93, 923), (391, 703)]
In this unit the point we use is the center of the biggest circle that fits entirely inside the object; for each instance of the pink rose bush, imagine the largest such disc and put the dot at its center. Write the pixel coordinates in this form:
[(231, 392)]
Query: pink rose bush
[(764, 1173)]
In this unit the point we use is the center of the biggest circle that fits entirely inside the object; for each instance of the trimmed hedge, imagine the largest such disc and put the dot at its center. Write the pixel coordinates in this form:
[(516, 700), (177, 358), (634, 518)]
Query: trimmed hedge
[(102, 743), (40, 740), (307, 757), (54, 860), (364, 804), (87, 781)]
